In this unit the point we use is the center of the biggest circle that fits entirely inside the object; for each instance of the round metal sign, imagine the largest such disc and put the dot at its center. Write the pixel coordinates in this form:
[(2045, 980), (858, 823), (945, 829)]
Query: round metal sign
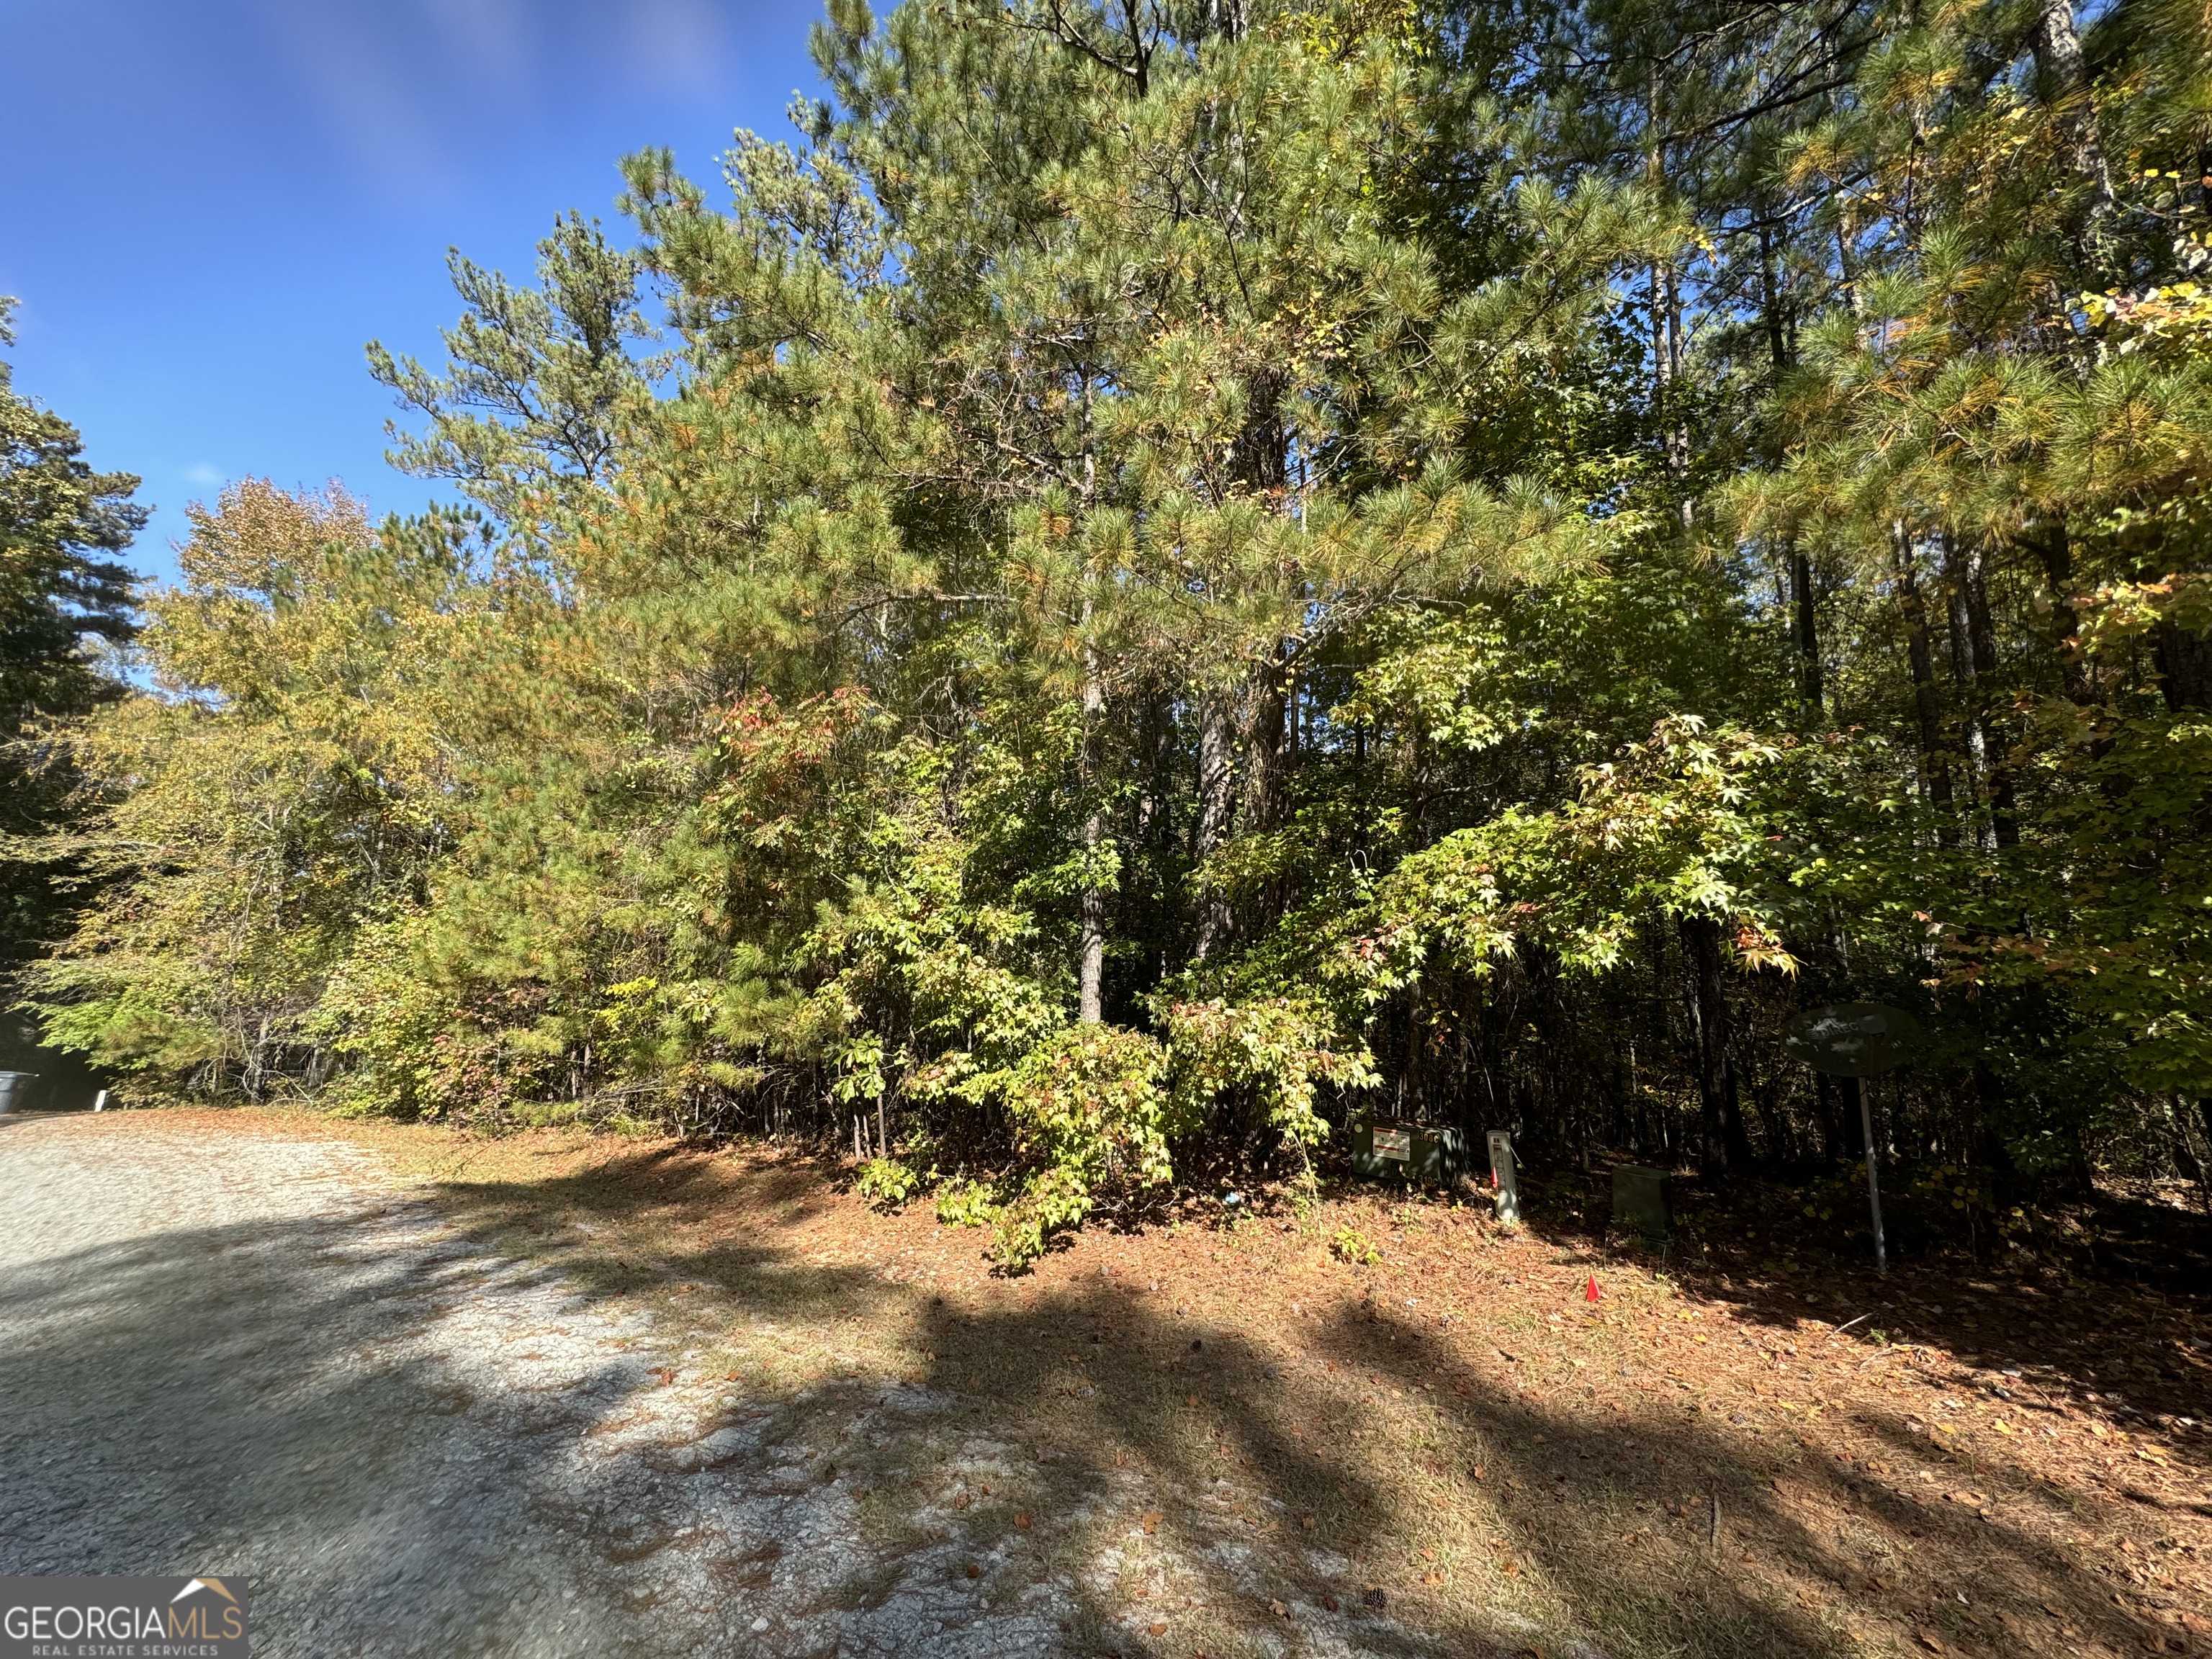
[(1852, 1039)]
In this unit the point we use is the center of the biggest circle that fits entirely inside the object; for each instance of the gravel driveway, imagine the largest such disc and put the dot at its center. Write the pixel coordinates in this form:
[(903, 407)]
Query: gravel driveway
[(257, 1354)]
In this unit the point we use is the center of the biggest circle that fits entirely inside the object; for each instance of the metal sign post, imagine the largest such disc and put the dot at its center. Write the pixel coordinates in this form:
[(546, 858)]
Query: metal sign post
[(1857, 1040), (1874, 1179)]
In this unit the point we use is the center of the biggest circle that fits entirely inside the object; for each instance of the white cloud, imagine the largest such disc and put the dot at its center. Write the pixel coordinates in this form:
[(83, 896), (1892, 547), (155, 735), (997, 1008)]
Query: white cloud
[(488, 43), (202, 474), (682, 42), (373, 87)]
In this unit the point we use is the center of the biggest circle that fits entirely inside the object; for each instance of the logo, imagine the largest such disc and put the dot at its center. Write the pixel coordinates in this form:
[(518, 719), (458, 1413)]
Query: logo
[(124, 1619)]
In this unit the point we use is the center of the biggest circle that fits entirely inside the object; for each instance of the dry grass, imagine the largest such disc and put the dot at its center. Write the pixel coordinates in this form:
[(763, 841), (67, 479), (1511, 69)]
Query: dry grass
[(1729, 1462)]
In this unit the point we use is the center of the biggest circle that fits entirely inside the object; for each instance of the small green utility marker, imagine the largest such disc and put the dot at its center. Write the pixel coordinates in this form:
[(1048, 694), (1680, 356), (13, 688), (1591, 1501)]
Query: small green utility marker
[(1643, 1200), (1385, 1150)]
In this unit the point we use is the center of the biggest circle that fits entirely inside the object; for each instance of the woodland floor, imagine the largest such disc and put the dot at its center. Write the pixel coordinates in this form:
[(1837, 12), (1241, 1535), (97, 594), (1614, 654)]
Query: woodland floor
[(653, 1399)]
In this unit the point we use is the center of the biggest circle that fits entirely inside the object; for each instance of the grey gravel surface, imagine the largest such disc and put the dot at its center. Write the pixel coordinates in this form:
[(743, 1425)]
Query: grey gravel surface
[(258, 1356)]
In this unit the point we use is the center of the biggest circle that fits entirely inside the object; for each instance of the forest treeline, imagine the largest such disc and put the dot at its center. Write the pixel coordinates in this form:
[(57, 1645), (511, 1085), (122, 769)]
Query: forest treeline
[(1165, 575)]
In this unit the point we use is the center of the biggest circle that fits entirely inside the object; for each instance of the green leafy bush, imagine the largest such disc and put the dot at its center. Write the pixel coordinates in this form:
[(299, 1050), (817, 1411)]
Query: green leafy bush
[(966, 1204), (886, 1182), (1091, 1116)]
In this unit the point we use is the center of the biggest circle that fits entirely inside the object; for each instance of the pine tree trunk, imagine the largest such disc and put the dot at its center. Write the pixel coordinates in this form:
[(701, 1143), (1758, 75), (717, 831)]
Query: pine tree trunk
[(1217, 801), (1267, 704), (1678, 427), (1976, 736), (1091, 976), (1927, 701), (1091, 967), (1805, 625), (1092, 952), (1665, 323), (2184, 661), (1812, 685), (2057, 550), (1266, 762), (2203, 1148), (2055, 43), (1981, 635)]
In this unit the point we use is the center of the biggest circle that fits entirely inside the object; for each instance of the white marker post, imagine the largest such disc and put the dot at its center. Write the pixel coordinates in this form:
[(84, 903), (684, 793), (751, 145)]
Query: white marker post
[(1502, 1178)]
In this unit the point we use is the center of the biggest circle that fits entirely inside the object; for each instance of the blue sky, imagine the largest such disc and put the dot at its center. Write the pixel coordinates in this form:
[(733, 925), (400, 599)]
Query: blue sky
[(211, 204)]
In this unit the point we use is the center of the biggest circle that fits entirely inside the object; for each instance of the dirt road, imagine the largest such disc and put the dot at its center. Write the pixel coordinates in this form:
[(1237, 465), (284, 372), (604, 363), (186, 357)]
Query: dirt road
[(254, 1355)]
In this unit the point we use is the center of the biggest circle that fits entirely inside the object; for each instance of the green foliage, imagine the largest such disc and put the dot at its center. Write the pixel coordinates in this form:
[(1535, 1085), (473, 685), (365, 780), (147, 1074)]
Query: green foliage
[(965, 1203), (1670, 828), (527, 417), (1090, 1118), (64, 596), (1184, 569), (239, 828), (1278, 1053), (886, 1182), (1351, 1246)]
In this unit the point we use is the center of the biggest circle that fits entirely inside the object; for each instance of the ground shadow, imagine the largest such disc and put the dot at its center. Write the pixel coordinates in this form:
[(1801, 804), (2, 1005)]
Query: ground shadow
[(2136, 1345), (257, 1398), (1166, 1461), (1081, 1468)]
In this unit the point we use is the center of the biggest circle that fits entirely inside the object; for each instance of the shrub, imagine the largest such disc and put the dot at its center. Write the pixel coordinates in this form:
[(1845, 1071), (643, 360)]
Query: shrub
[(966, 1204), (887, 1183), (1091, 1116)]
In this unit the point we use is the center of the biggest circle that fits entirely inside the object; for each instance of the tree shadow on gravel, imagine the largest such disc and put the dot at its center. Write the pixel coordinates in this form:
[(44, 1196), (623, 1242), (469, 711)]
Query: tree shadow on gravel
[(1144, 1481), (1757, 1528), (1185, 1493), (252, 1399), (1542, 1526)]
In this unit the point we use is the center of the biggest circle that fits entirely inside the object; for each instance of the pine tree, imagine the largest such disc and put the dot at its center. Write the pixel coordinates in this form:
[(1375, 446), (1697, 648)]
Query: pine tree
[(64, 595)]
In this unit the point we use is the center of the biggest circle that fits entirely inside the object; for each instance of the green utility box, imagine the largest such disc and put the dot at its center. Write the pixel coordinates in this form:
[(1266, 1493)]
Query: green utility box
[(1386, 1151), (1643, 1200)]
